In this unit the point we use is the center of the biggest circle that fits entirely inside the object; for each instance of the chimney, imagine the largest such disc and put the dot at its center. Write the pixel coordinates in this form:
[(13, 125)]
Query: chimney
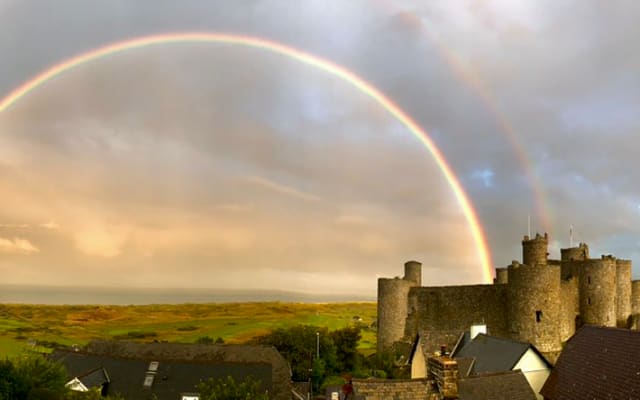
[(444, 371)]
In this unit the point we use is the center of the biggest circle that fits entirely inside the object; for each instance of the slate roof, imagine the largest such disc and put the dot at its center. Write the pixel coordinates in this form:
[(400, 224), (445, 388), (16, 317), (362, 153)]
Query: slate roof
[(171, 379), (493, 354), (597, 363), (465, 366), (94, 378), (180, 367), (509, 385), (432, 340)]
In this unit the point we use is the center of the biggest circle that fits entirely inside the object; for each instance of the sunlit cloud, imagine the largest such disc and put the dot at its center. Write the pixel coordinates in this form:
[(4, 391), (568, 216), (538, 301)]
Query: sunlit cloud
[(282, 189), (17, 246)]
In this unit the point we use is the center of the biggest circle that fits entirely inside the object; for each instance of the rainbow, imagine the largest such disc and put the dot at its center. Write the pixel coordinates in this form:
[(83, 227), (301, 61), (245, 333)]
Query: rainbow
[(473, 81), (298, 55)]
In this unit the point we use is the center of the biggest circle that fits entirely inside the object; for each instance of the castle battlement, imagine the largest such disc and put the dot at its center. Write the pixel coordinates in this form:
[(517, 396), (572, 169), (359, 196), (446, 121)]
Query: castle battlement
[(538, 300)]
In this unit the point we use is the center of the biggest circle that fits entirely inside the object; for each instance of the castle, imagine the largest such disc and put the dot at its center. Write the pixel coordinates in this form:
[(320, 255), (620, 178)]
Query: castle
[(541, 301)]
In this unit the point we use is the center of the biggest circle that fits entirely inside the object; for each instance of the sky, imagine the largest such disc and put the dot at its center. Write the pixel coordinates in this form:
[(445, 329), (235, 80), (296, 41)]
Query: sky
[(214, 165)]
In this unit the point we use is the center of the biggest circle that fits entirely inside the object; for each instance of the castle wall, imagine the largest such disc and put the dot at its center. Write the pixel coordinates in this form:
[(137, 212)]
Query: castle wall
[(570, 269), (598, 291), (635, 297), (534, 251), (569, 308), (534, 305), (459, 307), (579, 253), (413, 272), (502, 276), (623, 293), (392, 310)]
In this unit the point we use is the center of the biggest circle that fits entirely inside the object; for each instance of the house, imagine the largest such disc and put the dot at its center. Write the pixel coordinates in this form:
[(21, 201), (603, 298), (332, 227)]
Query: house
[(428, 344), (597, 363), (397, 389), (171, 371), (492, 354), (96, 378), (507, 385)]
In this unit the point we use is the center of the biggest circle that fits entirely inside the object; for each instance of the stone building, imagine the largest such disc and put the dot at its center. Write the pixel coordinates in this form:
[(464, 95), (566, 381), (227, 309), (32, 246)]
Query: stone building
[(539, 300)]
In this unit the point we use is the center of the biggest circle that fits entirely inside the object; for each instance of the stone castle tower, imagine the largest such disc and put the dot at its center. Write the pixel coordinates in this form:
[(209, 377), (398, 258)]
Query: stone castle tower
[(539, 300)]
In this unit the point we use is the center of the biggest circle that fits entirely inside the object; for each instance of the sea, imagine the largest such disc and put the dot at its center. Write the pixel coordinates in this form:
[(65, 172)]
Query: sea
[(61, 295)]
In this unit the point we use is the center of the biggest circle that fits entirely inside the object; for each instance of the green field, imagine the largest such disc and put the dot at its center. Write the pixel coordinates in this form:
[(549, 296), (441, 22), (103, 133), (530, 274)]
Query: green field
[(28, 326)]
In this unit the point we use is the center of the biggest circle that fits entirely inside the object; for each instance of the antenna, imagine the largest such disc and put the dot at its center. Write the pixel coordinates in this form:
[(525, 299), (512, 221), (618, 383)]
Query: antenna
[(529, 225), (570, 235)]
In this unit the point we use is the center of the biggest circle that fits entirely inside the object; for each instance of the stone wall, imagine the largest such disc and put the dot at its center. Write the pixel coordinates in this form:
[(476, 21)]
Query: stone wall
[(534, 251), (413, 272), (570, 269), (395, 389), (598, 291), (534, 305), (635, 297), (623, 293), (579, 253), (392, 311), (502, 276), (450, 308), (570, 308)]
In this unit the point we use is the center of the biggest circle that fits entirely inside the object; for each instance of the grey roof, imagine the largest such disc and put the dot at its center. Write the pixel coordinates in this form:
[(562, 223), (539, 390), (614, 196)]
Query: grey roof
[(181, 366), (493, 354), (510, 385), (465, 366), (171, 378), (432, 340), (94, 378)]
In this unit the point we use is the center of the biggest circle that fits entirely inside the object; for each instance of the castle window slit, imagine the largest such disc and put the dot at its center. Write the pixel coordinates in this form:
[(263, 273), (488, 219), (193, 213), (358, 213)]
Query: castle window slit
[(538, 316)]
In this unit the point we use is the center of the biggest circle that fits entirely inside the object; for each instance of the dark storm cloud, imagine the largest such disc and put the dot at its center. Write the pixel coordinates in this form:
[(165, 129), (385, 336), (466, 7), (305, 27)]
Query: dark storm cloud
[(250, 140)]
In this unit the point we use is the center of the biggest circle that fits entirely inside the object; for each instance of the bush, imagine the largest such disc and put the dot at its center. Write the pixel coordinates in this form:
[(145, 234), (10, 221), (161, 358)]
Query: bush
[(187, 328), (229, 389), (204, 340)]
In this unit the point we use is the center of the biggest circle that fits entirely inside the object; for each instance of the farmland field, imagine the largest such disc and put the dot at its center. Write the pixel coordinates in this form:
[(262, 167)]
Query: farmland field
[(43, 327)]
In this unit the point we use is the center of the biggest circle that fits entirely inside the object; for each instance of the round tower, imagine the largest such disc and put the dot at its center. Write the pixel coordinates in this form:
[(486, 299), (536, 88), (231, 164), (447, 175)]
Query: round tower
[(392, 310), (635, 297), (534, 251), (598, 291), (623, 293), (502, 276), (579, 253), (533, 305), (413, 272)]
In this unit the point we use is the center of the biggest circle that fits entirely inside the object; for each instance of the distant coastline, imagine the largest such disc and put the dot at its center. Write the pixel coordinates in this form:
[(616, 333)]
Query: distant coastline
[(61, 295)]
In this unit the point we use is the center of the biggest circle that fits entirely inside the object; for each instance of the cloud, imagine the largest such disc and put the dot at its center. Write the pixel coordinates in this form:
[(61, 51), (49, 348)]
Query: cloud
[(98, 241), (282, 189), (17, 246), (50, 225), (203, 158)]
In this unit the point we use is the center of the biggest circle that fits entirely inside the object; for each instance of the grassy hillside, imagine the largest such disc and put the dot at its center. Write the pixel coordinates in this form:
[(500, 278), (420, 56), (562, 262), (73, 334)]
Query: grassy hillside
[(26, 326)]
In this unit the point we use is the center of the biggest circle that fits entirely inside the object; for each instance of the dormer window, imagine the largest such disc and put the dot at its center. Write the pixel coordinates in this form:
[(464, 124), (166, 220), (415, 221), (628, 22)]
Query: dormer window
[(148, 381)]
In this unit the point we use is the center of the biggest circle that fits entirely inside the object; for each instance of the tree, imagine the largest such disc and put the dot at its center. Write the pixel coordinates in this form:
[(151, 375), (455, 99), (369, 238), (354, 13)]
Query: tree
[(297, 344), (32, 376), (229, 389), (346, 342)]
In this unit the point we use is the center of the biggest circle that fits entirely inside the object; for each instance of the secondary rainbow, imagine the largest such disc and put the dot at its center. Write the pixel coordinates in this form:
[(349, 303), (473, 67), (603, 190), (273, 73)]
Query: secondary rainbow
[(303, 57), (471, 78)]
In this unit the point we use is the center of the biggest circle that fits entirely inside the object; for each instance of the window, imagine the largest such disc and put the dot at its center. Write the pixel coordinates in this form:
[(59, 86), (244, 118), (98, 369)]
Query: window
[(589, 300), (153, 366), (588, 280), (538, 316), (148, 381)]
